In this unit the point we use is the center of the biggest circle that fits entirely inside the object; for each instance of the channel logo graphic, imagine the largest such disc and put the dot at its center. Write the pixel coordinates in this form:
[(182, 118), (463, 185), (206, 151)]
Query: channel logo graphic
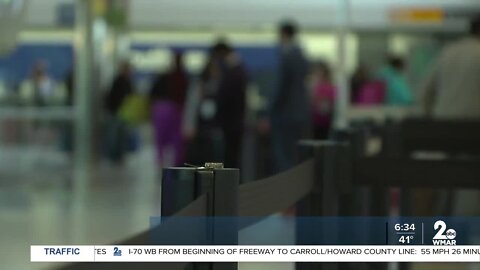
[(444, 236), (117, 252)]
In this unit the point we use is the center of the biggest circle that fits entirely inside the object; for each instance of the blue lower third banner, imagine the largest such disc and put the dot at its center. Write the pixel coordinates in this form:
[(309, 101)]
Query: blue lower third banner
[(281, 230)]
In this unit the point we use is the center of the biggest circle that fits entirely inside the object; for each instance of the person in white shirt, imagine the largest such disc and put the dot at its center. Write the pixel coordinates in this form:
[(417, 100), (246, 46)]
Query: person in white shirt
[(452, 90)]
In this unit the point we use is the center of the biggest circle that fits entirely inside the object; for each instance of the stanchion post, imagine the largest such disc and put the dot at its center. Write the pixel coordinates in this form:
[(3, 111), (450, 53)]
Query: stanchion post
[(393, 148), (222, 209), (380, 203), (335, 163), (225, 206), (309, 207), (180, 186), (332, 178), (351, 143)]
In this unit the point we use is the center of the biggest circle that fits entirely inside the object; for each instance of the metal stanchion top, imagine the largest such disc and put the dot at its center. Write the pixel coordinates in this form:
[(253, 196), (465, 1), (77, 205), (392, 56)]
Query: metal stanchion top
[(213, 165), (207, 166)]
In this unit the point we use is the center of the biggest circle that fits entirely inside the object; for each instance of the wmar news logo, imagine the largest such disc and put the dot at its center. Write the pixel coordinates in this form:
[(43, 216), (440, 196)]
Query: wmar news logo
[(444, 236)]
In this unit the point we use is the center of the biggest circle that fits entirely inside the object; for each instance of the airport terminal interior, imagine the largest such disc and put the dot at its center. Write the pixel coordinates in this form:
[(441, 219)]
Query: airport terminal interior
[(98, 96)]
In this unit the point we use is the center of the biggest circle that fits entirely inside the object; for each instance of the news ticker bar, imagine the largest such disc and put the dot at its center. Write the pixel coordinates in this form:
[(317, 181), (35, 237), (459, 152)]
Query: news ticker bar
[(372, 253)]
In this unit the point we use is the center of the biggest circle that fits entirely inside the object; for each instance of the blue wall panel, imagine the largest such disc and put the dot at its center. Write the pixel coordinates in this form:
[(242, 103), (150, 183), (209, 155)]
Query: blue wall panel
[(17, 66)]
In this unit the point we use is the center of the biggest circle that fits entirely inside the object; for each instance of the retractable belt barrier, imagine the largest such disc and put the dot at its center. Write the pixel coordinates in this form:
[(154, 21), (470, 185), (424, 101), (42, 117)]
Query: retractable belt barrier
[(258, 199), (276, 193), (448, 136), (325, 183), (409, 173)]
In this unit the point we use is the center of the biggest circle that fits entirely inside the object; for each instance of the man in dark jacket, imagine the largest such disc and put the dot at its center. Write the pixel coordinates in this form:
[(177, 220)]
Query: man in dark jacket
[(288, 104), (121, 88), (230, 102)]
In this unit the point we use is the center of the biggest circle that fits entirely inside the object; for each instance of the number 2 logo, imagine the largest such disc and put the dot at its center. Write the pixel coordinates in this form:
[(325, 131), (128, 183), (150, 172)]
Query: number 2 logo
[(441, 226)]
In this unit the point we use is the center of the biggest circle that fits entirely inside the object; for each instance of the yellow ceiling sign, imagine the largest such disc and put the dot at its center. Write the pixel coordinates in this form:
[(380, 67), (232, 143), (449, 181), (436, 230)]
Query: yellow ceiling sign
[(418, 15), (99, 7)]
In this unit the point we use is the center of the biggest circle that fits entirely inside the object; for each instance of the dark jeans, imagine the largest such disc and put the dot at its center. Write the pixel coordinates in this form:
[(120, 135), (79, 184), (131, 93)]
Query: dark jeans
[(284, 142), (116, 143), (321, 132), (233, 140)]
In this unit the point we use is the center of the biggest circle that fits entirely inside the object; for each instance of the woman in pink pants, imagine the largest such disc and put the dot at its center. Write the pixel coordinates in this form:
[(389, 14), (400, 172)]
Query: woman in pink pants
[(167, 100)]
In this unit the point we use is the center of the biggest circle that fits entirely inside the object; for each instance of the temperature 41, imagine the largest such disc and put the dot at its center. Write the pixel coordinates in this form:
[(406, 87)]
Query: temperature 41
[(405, 239)]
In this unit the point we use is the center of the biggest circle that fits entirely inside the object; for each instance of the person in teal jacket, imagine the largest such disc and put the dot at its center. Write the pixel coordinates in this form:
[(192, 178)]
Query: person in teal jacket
[(398, 90)]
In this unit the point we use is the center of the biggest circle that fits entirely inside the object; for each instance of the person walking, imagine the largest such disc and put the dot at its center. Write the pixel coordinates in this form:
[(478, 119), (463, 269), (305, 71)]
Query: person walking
[(230, 100), (167, 99), (117, 131), (288, 113)]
